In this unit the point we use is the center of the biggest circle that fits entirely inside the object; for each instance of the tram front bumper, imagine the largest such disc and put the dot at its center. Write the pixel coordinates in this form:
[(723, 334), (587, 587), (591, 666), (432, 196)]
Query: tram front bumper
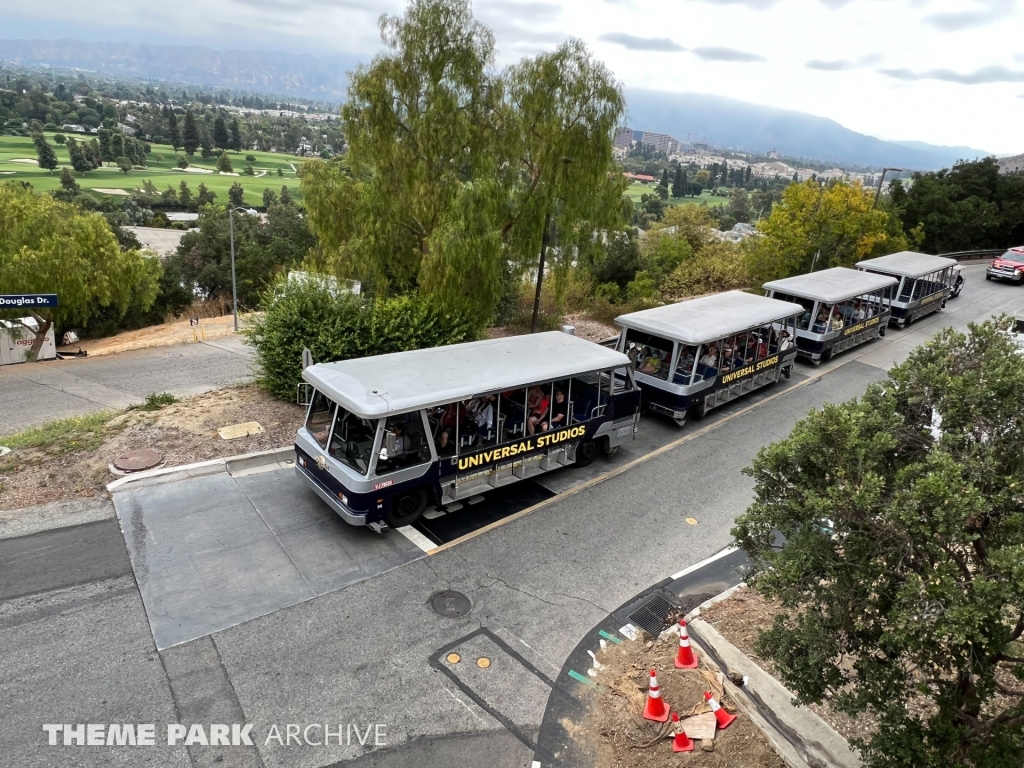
[(346, 514)]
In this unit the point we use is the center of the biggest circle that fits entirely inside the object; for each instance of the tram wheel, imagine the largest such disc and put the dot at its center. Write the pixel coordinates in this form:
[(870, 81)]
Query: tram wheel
[(681, 420), (826, 355), (787, 371), (586, 452), (701, 410), (406, 508), (816, 363), (881, 331)]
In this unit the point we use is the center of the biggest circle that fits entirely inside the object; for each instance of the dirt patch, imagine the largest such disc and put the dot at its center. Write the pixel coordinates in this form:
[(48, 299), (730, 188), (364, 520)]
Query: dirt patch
[(615, 725), (164, 335), (740, 618), (184, 432), (586, 328)]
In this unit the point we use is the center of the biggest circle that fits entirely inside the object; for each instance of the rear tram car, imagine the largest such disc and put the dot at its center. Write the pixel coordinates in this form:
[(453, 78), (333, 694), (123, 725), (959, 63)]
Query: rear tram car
[(925, 283)]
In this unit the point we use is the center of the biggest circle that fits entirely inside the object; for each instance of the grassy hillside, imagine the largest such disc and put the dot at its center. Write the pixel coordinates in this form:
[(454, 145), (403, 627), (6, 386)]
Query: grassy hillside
[(161, 170), (634, 191)]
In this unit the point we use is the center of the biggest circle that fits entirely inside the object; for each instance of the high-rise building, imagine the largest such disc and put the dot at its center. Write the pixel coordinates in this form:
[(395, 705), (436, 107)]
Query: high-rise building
[(624, 138), (661, 142)]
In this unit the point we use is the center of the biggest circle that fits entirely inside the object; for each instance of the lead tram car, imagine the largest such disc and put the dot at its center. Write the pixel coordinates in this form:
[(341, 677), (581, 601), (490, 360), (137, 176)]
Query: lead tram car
[(925, 282), (693, 356), (840, 308), (386, 434)]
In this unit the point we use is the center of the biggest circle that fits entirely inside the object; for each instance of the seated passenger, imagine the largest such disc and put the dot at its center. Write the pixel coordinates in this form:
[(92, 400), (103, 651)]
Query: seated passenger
[(651, 364), (559, 413), (710, 358), (727, 359), (859, 313), (837, 321), (821, 321), (455, 414), (785, 341), (686, 361), (482, 412), (537, 405)]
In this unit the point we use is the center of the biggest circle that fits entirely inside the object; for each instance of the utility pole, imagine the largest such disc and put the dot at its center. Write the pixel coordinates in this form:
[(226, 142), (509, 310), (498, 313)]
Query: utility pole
[(882, 181)]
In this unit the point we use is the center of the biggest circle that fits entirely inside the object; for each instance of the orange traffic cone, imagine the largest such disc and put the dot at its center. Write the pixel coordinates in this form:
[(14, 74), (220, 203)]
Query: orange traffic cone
[(685, 658), (681, 743), (654, 708), (723, 718)]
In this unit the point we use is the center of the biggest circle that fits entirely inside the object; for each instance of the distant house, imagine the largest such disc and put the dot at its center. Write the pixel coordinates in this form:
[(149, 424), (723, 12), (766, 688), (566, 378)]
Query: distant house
[(640, 178), (73, 128)]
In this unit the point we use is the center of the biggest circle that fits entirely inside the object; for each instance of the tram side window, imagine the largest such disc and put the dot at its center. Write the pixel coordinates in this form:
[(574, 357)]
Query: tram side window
[(510, 415), (318, 423), (687, 362), (352, 440), (651, 354), (804, 319), (727, 358), (410, 443), (763, 339), (907, 288), (483, 410)]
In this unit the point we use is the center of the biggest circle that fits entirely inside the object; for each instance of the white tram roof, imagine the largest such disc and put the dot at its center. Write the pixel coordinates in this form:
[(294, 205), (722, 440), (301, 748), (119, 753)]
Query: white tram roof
[(709, 318), (831, 285), (907, 264), (423, 378)]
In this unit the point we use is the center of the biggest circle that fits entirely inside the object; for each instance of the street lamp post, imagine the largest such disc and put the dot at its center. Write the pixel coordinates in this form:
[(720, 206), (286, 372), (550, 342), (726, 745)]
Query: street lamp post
[(234, 284), (881, 181)]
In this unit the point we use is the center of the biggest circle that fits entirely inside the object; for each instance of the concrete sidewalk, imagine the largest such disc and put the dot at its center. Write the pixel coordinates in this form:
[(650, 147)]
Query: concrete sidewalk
[(34, 393)]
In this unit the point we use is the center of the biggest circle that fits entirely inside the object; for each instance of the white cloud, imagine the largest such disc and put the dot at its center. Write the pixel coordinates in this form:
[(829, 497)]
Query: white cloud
[(634, 43)]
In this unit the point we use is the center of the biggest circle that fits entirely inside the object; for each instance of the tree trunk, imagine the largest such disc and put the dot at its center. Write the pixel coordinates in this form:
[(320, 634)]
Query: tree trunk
[(37, 344), (540, 271)]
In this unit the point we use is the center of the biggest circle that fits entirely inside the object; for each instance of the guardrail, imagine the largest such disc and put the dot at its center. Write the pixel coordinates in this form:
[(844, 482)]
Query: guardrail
[(974, 255)]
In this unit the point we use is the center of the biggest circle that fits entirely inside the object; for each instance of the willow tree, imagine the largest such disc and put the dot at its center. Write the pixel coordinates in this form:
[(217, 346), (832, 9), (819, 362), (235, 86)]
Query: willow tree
[(51, 247), (415, 203), (559, 128), (453, 170)]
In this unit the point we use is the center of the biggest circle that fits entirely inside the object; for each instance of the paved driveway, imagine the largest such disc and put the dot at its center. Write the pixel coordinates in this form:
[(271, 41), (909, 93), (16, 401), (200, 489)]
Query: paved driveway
[(34, 393)]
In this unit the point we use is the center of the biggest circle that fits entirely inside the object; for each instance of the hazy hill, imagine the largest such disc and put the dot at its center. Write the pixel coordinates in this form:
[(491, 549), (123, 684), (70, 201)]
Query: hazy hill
[(265, 71), (741, 125), (726, 122)]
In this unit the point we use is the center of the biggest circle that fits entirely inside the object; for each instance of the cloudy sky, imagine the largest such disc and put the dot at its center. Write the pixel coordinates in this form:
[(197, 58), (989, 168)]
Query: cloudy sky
[(942, 71)]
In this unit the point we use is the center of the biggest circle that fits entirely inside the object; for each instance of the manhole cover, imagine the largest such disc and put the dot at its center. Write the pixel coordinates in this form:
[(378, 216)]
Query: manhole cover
[(138, 460), (652, 616), (450, 604)]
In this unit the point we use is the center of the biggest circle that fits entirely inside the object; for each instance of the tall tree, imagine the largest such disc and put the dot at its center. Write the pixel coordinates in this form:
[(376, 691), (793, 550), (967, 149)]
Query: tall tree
[(45, 155), (173, 132), (81, 159), (205, 196), (664, 178), (678, 181), (54, 247), (236, 135), (221, 140), (236, 195), (190, 136), (106, 149), (68, 183), (901, 572), (832, 226), (184, 194)]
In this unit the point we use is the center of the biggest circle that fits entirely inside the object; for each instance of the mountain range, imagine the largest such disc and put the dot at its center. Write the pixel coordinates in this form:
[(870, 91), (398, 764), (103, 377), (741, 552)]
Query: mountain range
[(726, 122)]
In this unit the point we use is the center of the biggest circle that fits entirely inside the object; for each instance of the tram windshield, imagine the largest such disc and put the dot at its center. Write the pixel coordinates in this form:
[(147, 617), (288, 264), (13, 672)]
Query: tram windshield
[(352, 440), (651, 354)]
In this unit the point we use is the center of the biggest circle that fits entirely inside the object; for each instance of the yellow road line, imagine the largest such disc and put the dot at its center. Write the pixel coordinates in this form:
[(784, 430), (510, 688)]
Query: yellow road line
[(629, 465)]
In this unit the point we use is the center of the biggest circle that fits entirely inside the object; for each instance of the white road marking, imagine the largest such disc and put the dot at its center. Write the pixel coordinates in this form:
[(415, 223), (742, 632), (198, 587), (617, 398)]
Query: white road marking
[(724, 553), (416, 537)]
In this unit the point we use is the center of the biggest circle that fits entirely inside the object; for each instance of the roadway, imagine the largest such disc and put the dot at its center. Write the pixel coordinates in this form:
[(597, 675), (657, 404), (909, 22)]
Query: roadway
[(56, 389), (77, 645)]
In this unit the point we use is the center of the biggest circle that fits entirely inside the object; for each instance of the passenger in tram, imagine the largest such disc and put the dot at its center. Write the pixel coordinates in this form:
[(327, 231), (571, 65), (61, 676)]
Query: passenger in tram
[(559, 413), (537, 404), (727, 359), (785, 341), (805, 320), (821, 321), (651, 362), (686, 361), (454, 415), (482, 412), (859, 312), (837, 321)]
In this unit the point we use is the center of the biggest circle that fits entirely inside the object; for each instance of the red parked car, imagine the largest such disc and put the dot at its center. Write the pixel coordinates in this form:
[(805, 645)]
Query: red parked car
[(1009, 266)]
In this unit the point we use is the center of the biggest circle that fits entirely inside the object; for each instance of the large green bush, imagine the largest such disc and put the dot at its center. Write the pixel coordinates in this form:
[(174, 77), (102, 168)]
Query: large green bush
[(336, 326)]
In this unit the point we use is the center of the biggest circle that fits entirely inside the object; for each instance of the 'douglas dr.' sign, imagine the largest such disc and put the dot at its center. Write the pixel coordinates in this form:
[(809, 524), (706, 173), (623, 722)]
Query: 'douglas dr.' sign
[(28, 301)]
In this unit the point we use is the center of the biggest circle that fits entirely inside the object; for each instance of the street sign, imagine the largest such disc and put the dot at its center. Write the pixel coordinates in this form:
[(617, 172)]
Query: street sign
[(28, 300)]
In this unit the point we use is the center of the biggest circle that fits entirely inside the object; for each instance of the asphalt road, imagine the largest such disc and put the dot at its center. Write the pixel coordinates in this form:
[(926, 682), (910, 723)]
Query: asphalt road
[(361, 655), (56, 389)]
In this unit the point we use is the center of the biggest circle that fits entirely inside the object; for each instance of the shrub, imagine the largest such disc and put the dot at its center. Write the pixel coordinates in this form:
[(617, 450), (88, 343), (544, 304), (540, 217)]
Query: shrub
[(337, 326), (224, 164), (718, 266), (250, 158), (183, 162)]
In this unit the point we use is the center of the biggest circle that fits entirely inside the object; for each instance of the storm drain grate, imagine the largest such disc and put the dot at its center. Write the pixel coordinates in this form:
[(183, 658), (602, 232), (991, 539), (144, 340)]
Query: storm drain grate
[(652, 615)]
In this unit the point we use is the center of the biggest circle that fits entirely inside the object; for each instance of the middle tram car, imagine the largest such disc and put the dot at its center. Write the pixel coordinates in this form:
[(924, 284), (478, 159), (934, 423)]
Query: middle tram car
[(693, 356)]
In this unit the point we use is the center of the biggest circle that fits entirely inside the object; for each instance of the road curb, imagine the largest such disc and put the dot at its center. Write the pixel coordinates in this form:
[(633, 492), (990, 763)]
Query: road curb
[(801, 738), (236, 466)]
